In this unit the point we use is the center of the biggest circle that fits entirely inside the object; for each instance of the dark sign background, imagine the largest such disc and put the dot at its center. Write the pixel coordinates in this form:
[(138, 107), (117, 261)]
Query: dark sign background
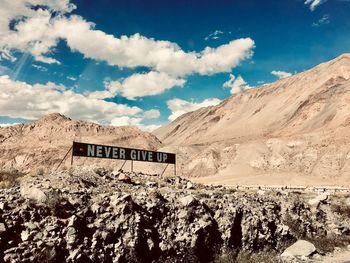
[(81, 149)]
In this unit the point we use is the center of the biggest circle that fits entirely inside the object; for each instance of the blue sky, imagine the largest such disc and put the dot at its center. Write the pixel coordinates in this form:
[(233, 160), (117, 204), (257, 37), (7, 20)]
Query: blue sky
[(145, 62)]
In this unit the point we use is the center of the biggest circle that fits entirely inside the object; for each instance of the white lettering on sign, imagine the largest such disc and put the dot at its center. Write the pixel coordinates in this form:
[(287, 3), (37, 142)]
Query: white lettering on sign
[(133, 155), (115, 153), (122, 153), (159, 157), (144, 155), (91, 150), (162, 157), (99, 151), (102, 151), (107, 151)]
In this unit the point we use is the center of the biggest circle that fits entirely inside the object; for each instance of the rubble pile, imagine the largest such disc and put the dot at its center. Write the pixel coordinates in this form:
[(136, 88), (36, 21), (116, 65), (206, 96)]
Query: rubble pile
[(95, 215)]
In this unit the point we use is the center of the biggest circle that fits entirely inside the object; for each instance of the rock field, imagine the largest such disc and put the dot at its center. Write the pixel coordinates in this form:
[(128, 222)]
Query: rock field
[(94, 215)]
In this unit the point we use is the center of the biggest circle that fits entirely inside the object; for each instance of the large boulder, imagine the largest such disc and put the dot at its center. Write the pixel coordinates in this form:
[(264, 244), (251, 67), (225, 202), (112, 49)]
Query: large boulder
[(300, 249), (33, 193)]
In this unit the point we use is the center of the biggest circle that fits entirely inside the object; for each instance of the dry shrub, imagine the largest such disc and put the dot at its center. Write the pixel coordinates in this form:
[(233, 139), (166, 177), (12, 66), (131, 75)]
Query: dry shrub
[(9, 178), (233, 256), (327, 243), (40, 171), (342, 209)]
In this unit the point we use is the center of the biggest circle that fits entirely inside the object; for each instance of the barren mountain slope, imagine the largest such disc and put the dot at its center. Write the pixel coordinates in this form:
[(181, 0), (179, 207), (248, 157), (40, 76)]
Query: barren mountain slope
[(44, 142), (295, 126)]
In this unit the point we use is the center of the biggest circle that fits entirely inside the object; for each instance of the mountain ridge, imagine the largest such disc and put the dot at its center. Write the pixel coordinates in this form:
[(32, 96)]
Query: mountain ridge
[(296, 127), (276, 88), (43, 143)]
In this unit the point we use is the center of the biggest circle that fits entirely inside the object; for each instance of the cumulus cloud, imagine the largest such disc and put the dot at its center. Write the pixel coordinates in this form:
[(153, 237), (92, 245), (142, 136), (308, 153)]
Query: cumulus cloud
[(324, 20), (314, 3), (139, 85), (39, 31), (33, 30), (152, 114), (179, 107), (161, 56), (281, 74), (132, 121), (236, 85), (21, 100)]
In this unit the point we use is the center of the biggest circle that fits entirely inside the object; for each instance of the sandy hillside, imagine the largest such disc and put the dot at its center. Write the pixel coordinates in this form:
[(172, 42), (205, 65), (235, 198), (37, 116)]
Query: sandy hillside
[(44, 142), (293, 131)]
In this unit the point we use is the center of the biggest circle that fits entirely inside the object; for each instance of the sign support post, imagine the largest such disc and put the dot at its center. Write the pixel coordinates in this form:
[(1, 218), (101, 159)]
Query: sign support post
[(121, 168), (70, 149), (164, 170)]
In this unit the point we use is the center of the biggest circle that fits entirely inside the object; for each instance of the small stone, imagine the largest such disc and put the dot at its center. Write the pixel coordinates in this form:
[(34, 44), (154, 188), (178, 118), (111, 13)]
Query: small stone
[(151, 184), (3, 206), (2, 228), (50, 228), (30, 225), (33, 193), (189, 185), (188, 200), (124, 178), (25, 235), (72, 221)]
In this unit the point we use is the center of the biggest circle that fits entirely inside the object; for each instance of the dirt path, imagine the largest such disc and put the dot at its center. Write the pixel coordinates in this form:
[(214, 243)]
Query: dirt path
[(337, 257)]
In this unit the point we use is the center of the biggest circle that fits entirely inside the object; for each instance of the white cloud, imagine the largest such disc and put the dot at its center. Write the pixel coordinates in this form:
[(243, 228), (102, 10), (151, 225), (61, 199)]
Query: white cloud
[(21, 100), (71, 78), (324, 20), (236, 85), (131, 121), (139, 85), (281, 74), (39, 32), (3, 125), (214, 35), (161, 56), (33, 30), (179, 107), (38, 67), (125, 121), (152, 114), (314, 3)]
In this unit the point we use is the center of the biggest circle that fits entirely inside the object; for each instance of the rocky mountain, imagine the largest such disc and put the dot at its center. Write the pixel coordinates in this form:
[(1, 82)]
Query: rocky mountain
[(293, 131), (44, 142)]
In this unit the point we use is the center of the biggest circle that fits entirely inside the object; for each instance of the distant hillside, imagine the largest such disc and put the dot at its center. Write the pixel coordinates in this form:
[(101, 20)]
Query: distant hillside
[(44, 142), (296, 126)]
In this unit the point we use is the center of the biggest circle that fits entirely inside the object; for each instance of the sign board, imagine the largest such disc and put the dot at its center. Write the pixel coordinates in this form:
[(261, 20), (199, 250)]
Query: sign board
[(121, 153)]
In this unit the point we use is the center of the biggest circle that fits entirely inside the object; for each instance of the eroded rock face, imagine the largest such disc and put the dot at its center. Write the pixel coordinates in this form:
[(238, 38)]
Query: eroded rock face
[(93, 216)]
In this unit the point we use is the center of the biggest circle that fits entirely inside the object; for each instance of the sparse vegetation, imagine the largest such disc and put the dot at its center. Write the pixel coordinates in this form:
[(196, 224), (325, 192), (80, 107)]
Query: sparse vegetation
[(9, 178), (327, 243), (56, 202), (342, 209), (294, 225), (40, 171), (233, 256)]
